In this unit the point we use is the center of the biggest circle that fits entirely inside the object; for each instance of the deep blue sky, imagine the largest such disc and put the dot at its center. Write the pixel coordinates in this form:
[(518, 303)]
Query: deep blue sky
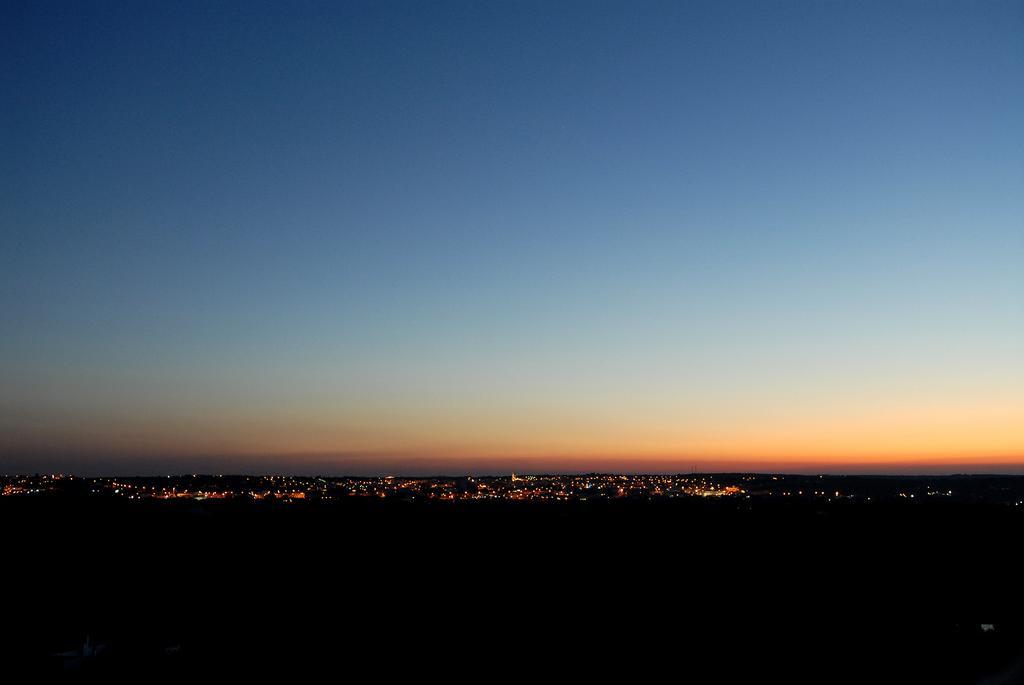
[(447, 231)]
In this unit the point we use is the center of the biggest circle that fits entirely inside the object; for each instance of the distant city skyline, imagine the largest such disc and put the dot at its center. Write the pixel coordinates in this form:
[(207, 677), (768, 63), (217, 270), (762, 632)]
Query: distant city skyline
[(548, 237)]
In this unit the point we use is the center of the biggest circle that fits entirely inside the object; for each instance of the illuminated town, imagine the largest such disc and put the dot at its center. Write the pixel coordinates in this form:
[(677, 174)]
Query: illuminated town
[(1007, 490)]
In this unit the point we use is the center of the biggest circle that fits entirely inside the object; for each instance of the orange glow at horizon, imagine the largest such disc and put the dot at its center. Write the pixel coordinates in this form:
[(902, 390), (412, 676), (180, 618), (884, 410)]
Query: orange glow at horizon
[(915, 437)]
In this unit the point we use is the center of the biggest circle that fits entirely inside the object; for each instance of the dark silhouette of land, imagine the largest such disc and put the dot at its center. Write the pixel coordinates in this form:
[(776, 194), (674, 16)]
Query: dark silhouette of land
[(742, 587)]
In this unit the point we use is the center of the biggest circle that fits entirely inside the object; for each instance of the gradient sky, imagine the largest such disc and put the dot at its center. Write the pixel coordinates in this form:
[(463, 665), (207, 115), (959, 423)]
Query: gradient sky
[(482, 236)]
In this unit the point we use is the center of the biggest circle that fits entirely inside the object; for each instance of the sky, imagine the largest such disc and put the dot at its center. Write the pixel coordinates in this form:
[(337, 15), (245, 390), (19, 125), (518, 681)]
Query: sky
[(477, 237)]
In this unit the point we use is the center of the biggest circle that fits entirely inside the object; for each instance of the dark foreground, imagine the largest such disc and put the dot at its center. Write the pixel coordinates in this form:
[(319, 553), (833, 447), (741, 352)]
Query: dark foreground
[(699, 589)]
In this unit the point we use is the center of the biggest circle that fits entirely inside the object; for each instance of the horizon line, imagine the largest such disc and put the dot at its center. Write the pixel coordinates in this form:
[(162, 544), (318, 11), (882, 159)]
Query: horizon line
[(197, 474)]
